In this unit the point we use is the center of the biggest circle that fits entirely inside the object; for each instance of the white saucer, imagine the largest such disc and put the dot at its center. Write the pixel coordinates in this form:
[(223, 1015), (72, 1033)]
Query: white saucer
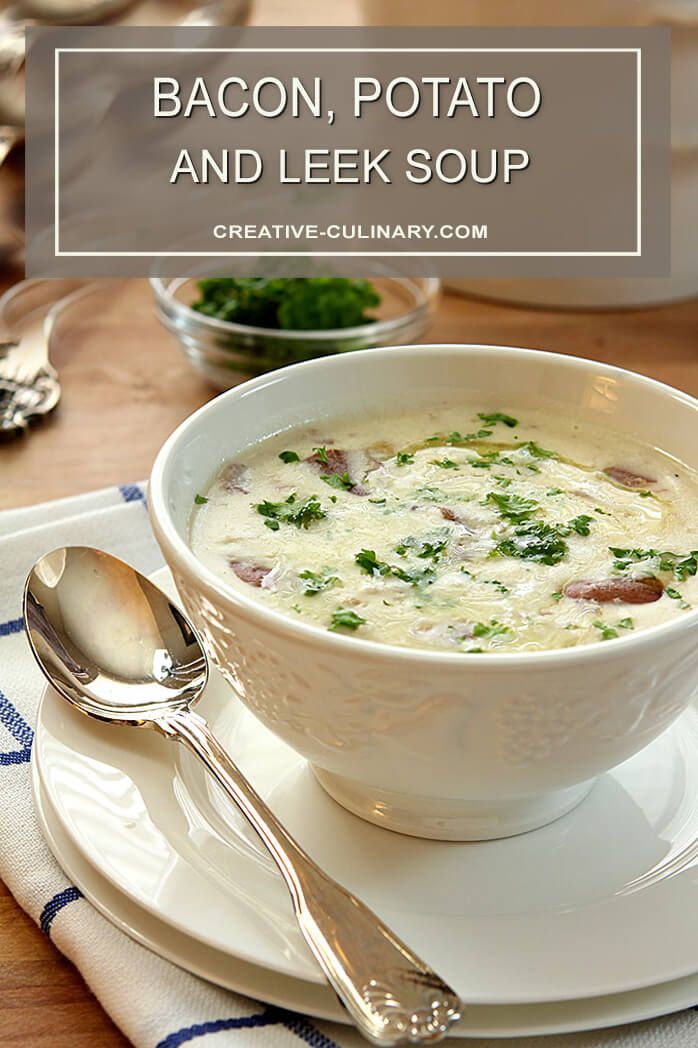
[(318, 1001), (603, 901), (213, 965)]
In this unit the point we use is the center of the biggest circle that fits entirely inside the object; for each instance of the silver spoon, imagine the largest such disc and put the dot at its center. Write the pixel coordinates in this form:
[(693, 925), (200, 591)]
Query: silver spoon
[(115, 646)]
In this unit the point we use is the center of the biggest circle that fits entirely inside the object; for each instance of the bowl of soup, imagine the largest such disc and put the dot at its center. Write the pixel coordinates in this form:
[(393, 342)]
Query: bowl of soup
[(460, 580)]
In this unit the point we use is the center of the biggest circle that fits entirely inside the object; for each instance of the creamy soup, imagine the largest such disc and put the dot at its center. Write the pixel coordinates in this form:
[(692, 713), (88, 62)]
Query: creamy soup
[(459, 530)]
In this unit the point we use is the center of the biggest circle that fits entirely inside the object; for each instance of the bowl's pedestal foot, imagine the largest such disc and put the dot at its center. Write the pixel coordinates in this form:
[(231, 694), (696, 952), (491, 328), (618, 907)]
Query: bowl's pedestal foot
[(447, 819)]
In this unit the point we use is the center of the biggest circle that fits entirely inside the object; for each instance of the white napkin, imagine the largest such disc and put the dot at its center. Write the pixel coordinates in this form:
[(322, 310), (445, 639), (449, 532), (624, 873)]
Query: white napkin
[(155, 1004)]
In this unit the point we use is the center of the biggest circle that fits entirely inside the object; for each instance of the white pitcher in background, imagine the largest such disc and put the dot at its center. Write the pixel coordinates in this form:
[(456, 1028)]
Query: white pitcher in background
[(681, 16)]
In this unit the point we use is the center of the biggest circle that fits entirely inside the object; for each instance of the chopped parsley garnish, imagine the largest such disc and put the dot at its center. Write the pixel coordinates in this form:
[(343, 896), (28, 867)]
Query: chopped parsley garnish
[(680, 565), (557, 595), (499, 586), (492, 629), (487, 459), (456, 439), (200, 500), (534, 540), (404, 458), (607, 632), (300, 514), (513, 508), (553, 491), (536, 450), (289, 456), (497, 416), (581, 524), (428, 548), (611, 632), (321, 454), (369, 562), (646, 495), (316, 582), (345, 619), (674, 594), (432, 550), (445, 463), (338, 480)]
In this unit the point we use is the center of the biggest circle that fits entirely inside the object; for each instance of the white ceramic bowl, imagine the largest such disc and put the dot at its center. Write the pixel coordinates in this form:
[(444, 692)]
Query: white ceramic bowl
[(431, 743)]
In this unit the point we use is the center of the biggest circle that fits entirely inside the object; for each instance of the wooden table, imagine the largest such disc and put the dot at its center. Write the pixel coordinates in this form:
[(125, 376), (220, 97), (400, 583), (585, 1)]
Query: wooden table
[(126, 386), (121, 399)]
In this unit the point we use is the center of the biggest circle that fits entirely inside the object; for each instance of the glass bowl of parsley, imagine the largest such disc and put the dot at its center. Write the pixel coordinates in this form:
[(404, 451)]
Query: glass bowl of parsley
[(235, 327)]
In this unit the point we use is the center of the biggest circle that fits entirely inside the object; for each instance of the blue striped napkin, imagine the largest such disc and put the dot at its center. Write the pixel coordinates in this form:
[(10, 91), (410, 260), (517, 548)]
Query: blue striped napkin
[(171, 1008)]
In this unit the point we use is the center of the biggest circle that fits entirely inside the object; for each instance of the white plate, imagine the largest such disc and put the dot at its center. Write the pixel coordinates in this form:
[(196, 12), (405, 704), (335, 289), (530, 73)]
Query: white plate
[(319, 1002), (603, 901), (188, 953)]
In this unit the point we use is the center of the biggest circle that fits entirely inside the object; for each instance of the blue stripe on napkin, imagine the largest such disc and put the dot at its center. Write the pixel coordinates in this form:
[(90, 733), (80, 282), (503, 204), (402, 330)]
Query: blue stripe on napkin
[(55, 905), (294, 1023), (242, 1022), (304, 1029), (19, 729), (11, 626), (131, 493)]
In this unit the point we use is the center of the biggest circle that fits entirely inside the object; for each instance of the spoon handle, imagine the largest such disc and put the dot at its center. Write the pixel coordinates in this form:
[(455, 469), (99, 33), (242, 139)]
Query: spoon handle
[(392, 996)]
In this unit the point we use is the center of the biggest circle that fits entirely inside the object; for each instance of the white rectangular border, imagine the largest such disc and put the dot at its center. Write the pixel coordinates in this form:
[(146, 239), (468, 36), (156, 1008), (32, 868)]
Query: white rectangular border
[(637, 51)]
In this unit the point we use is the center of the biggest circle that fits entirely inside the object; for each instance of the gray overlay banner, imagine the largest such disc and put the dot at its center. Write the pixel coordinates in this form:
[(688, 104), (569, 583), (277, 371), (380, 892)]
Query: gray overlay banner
[(488, 152)]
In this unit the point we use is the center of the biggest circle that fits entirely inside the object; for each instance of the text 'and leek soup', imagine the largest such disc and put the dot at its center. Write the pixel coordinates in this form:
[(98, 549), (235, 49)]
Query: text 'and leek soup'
[(457, 530)]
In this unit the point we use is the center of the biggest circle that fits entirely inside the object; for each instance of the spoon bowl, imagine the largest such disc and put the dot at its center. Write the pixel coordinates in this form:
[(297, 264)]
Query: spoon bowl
[(115, 646), (110, 641)]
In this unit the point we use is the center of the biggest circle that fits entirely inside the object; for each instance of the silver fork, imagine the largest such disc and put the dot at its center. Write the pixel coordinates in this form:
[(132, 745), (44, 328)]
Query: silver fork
[(29, 385)]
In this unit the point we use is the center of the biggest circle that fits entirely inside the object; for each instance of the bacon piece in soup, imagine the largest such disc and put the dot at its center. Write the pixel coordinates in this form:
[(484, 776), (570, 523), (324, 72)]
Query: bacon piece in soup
[(249, 572), (616, 591), (627, 478), (236, 477), (339, 462)]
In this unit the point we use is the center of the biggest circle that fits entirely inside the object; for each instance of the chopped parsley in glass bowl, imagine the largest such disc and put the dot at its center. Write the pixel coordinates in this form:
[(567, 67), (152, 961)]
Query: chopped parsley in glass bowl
[(231, 328)]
